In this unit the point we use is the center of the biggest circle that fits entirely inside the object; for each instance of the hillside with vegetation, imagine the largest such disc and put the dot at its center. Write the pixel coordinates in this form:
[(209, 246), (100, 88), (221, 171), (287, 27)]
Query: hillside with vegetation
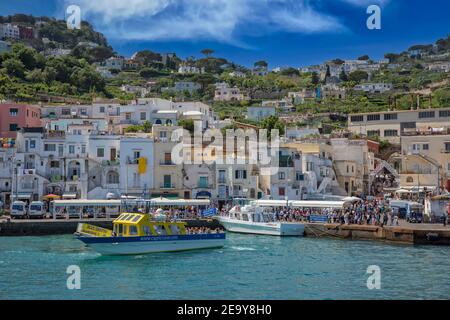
[(28, 73)]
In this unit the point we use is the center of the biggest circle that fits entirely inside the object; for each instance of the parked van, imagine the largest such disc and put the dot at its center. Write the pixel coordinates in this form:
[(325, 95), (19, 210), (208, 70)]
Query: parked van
[(19, 209), (408, 210), (36, 210)]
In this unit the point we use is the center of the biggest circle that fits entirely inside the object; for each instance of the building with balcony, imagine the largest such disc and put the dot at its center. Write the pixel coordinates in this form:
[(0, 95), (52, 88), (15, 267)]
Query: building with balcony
[(391, 125)]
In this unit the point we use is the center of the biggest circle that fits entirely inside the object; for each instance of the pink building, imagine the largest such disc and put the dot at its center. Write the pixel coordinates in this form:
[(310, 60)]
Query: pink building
[(16, 116)]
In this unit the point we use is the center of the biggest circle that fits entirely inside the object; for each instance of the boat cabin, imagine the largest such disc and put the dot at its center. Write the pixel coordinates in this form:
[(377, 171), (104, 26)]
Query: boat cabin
[(136, 224)]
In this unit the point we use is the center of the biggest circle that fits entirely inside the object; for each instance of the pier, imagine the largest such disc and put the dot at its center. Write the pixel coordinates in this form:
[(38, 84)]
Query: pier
[(433, 234)]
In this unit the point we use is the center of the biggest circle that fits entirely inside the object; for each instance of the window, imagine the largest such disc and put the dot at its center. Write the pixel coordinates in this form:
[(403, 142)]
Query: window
[(426, 114), (390, 116), (426, 146), (71, 149), (49, 147), (163, 134), (281, 175), (32, 144), (444, 113), (100, 152), (65, 111), (137, 155), (83, 149), (13, 112), (281, 191), (240, 174), (203, 182), (447, 146), (357, 118), (373, 133), (102, 109), (373, 117), (143, 115), (13, 127), (390, 133), (54, 164), (299, 176), (409, 180), (167, 181), (127, 116), (222, 174), (168, 158)]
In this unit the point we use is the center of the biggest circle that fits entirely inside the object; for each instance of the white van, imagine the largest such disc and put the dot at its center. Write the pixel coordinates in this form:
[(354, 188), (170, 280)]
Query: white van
[(36, 210), (18, 209)]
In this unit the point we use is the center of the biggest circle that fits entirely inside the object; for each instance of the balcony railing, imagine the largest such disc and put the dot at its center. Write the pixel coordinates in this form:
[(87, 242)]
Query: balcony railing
[(166, 163), (167, 186)]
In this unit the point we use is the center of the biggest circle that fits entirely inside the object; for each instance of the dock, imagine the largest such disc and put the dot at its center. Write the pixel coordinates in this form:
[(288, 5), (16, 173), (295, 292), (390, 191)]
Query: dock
[(433, 234)]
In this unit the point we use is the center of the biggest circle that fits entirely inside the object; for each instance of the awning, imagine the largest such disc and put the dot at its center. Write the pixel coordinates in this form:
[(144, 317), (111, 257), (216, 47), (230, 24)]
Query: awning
[(203, 195), (22, 196), (69, 196), (51, 197)]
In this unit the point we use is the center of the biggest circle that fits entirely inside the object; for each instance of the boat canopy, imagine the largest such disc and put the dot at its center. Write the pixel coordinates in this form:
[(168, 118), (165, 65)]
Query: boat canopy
[(272, 203), (319, 204), (179, 202), (84, 203)]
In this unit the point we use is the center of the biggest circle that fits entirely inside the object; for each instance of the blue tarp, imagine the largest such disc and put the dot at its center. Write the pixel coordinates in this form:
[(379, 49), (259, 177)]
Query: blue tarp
[(318, 218)]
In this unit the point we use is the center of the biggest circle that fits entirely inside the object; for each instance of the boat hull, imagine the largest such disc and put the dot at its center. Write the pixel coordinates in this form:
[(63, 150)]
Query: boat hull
[(152, 244), (272, 229)]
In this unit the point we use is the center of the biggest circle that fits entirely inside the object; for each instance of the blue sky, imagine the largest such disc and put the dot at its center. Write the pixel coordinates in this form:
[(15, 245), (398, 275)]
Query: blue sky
[(282, 32)]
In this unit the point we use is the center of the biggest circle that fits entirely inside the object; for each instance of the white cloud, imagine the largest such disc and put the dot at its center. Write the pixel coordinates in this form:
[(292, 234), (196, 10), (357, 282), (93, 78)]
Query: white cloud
[(220, 20)]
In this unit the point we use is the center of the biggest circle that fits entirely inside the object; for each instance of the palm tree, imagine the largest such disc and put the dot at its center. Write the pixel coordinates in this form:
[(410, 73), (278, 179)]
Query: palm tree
[(207, 52)]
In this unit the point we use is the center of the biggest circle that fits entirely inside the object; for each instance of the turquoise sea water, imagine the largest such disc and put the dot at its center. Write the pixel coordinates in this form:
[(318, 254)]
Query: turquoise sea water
[(248, 267)]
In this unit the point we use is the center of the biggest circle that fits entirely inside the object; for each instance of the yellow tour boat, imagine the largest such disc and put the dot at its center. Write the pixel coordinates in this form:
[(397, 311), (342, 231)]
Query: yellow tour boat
[(137, 233)]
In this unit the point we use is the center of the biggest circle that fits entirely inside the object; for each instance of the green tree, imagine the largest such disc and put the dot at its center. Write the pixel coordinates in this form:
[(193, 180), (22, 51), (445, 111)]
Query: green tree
[(358, 76), (271, 123), (14, 67)]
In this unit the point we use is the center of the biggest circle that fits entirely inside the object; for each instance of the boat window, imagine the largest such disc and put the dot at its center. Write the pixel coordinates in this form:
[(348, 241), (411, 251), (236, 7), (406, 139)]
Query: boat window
[(175, 230), (136, 219), (147, 231), (244, 217), (133, 231), (129, 217), (120, 230), (160, 230)]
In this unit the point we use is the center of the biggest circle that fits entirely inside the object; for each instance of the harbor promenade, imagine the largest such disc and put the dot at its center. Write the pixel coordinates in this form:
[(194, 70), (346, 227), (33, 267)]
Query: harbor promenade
[(406, 233)]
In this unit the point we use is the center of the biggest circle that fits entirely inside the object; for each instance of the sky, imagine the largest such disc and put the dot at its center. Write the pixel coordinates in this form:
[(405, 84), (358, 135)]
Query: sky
[(282, 32)]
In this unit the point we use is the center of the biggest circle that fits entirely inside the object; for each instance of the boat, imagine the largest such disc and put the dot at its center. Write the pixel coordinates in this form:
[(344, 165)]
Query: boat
[(253, 219), (139, 233)]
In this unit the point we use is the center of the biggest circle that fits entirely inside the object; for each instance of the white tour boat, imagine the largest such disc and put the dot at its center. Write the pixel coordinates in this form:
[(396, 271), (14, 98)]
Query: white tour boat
[(252, 218)]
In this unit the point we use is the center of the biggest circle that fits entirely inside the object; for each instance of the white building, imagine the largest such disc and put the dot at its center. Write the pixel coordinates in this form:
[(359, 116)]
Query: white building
[(374, 87), (136, 165), (225, 93), (184, 69), (142, 91), (8, 30)]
